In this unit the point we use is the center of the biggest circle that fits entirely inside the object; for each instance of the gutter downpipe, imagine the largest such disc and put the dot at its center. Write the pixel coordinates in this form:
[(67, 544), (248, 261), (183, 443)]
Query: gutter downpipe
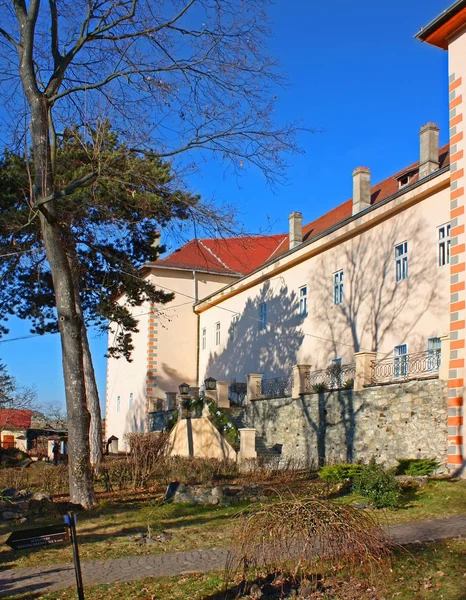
[(198, 349)]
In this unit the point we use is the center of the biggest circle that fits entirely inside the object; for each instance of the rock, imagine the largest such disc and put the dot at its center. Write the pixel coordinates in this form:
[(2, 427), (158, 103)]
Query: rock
[(42, 497), (9, 493), (164, 537), (22, 520), (217, 492), (22, 505), (8, 515), (150, 541)]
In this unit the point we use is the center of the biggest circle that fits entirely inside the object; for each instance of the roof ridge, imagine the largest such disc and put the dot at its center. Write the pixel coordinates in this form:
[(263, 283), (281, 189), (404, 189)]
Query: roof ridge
[(214, 255)]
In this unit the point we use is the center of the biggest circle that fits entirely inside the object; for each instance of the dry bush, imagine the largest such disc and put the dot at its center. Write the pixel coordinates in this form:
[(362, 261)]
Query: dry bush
[(276, 469), (38, 477), (301, 537), (146, 452), (194, 470)]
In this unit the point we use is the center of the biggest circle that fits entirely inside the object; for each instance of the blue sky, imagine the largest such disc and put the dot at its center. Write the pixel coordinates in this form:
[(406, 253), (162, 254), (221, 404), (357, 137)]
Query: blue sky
[(355, 74)]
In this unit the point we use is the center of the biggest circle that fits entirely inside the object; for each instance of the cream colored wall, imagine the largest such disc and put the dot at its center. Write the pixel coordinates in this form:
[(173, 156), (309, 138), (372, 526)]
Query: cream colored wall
[(376, 313), (206, 441), (174, 353), (20, 444)]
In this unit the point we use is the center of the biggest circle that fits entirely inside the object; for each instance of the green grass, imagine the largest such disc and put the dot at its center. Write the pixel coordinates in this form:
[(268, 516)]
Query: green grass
[(104, 532), (428, 571)]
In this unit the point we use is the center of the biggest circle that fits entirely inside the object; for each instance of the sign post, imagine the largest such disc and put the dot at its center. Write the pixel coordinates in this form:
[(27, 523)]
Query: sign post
[(41, 537)]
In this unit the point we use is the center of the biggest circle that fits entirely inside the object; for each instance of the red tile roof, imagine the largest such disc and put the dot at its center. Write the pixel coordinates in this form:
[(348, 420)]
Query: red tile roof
[(241, 255), (15, 419)]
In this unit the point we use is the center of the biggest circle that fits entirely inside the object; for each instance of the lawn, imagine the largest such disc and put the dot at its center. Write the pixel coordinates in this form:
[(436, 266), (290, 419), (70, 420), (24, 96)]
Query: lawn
[(106, 531), (435, 571)]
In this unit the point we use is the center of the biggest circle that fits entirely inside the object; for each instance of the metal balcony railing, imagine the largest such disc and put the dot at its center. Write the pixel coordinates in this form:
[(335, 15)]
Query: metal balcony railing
[(334, 377), (237, 392), (408, 366), (276, 387)]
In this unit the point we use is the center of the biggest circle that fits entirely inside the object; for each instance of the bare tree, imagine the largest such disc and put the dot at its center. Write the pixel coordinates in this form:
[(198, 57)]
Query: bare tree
[(179, 74)]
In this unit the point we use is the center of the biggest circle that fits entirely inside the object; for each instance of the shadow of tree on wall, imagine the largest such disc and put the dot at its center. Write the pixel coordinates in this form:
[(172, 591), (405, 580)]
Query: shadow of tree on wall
[(375, 306), (271, 350)]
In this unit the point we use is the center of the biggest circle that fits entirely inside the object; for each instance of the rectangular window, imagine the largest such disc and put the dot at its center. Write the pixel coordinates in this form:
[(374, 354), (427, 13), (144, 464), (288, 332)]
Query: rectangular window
[(234, 327), (131, 400), (303, 301), (262, 316), (118, 404), (434, 348), (401, 360), (444, 245), (401, 261), (217, 334), (338, 287), (204, 339)]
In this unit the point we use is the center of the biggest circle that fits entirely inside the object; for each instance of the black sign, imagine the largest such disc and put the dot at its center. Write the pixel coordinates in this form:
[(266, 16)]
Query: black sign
[(38, 538)]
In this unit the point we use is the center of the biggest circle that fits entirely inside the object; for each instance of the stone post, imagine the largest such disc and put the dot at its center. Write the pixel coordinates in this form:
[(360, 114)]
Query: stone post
[(363, 369), (254, 386), (444, 357), (300, 373), (222, 394), (247, 444)]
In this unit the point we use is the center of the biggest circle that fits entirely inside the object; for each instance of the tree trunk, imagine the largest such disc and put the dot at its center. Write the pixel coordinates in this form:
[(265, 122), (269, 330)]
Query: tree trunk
[(69, 321)]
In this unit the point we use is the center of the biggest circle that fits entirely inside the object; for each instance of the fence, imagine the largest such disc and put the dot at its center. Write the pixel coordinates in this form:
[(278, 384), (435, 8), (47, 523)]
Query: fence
[(237, 391), (277, 387), (334, 377), (408, 366), (157, 421)]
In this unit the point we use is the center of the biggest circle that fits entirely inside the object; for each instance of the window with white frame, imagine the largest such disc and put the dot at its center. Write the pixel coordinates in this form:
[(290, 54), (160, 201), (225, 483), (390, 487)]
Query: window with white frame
[(217, 334), (131, 400), (444, 241), (204, 338), (303, 301), (401, 261), (262, 316), (434, 349), (400, 360), (118, 404), (234, 327), (338, 287)]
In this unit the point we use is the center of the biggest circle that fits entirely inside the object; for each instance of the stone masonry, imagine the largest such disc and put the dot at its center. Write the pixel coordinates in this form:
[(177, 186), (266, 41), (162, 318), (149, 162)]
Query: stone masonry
[(404, 420)]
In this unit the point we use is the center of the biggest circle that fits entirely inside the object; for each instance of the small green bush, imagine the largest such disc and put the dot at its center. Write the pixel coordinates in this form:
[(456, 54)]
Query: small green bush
[(379, 486), (339, 473), (415, 467), (319, 387)]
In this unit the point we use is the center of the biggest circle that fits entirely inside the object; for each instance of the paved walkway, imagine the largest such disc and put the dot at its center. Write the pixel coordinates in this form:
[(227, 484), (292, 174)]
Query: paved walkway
[(45, 579)]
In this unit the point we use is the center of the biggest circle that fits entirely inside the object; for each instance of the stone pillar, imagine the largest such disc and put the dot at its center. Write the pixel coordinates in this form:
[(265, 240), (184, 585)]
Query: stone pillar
[(363, 369), (254, 386), (222, 394), (444, 357), (300, 372), (247, 444)]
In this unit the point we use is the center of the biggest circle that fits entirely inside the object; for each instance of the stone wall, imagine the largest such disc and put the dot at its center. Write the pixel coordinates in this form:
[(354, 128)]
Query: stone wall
[(405, 420)]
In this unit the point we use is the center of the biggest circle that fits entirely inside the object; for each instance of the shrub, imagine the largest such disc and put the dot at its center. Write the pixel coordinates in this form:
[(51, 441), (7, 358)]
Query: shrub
[(303, 536), (348, 384), (319, 387), (339, 473), (415, 467), (146, 451), (378, 485)]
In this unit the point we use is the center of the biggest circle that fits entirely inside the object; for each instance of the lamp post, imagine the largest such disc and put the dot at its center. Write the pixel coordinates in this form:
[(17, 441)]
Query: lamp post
[(184, 389)]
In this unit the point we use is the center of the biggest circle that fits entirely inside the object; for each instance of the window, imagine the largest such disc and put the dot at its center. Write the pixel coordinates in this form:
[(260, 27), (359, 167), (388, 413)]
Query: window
[(401, 360), (401, 261), (217, 334), (118, 404), (444, 245), (204, 339), (262, 316), (131, 400), (434, 348), (338, 287), (303, 301), (234, 327)]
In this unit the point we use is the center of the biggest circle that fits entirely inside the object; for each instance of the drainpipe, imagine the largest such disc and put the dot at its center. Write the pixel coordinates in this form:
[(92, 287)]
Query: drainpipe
[(198, 348)]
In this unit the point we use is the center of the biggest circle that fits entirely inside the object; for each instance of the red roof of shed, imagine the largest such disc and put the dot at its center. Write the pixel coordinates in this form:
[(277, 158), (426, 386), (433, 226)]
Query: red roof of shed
[(11, 418)]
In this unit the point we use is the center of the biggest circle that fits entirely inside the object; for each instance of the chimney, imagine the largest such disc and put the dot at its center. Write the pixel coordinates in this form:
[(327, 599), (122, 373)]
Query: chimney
[(361, 189), (428, 161), (296, 229)]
